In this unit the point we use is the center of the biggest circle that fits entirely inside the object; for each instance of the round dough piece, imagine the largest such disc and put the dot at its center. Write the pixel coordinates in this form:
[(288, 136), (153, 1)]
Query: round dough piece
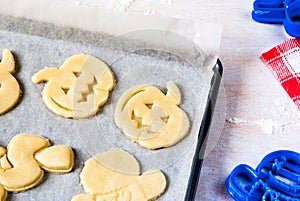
[(9, 86), (78, 88), (151, 118)]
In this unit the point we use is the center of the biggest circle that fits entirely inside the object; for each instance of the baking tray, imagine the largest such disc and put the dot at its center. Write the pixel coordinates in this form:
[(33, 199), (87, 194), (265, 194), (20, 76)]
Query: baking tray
[(36, 45)]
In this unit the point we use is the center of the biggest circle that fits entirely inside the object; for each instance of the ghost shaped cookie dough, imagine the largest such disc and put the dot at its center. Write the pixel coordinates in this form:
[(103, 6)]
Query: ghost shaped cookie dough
[(22, 164), (9, 87), (78, 88), (115, 175), (151, 118)]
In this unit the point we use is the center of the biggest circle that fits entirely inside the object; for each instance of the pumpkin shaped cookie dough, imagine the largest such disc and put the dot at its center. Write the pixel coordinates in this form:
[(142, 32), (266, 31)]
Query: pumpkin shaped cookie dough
[(9, 87), (151, 118), (78, 88), (22, 164), (115, 175)]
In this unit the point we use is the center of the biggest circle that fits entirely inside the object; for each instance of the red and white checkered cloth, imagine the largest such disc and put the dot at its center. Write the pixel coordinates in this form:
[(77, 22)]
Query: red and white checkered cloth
[(284, 62)]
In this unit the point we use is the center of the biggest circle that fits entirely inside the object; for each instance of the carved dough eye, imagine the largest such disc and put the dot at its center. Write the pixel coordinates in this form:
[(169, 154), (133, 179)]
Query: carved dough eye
[(151, 118), (77, 74), (165, 119), (65, 89), (78, 88), (149, 105)]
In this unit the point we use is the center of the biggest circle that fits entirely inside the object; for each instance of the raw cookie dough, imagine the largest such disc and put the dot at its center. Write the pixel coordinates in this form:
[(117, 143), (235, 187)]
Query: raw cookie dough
[(115, 175), (9, 87), (78, 88), (23, 162), (151, 118)]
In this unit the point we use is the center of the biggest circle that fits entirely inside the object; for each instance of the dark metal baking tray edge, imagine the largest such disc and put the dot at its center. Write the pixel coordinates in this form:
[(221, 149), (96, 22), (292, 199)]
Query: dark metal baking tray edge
[(203, 132)]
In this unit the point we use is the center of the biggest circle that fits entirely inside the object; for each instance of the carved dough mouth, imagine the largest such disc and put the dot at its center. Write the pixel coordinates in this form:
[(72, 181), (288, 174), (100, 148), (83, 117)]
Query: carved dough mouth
[(61, 106), (146, 134)]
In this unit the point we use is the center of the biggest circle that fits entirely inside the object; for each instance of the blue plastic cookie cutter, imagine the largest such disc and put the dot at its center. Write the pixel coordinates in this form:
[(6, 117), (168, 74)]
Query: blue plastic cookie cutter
[(292, 17), (276, 178), (285, 12), (268, 11)]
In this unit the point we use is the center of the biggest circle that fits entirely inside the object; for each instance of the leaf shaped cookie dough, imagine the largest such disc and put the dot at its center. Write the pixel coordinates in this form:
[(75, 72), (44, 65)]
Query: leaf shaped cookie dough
[(9, 87), (151, 118), (23, 163), (114, 175), (78, 88)]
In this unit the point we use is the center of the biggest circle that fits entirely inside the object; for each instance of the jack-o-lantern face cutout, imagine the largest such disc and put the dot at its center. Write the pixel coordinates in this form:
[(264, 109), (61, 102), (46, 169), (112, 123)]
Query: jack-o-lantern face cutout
[(151, 118), (78, 88), (9, 87), (115, 175)]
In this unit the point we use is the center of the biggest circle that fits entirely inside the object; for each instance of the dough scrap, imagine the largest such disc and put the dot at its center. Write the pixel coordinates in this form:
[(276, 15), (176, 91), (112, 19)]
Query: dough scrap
[(151, 118), (78, 88), (20, 167), (9, 86), (59, 163), (102, 182)]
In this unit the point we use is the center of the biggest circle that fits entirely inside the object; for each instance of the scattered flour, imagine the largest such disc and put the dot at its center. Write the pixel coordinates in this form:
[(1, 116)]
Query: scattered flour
[(267, 126), (236, 121), (150, 11), (285, 106), (153, 10), (81, 2), (167, 1), (121, 5), (284, 113)]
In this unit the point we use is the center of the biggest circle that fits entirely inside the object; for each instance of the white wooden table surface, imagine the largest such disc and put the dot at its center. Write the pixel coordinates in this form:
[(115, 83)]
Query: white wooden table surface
[(260, 117)]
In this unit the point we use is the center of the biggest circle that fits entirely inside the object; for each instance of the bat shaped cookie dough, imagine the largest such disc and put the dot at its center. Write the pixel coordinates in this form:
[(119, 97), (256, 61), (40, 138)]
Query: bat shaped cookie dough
[(23, 163)]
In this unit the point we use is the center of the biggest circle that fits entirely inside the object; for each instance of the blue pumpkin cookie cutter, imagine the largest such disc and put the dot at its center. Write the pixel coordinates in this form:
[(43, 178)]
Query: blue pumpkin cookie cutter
[(276, 178), (285, 12)]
